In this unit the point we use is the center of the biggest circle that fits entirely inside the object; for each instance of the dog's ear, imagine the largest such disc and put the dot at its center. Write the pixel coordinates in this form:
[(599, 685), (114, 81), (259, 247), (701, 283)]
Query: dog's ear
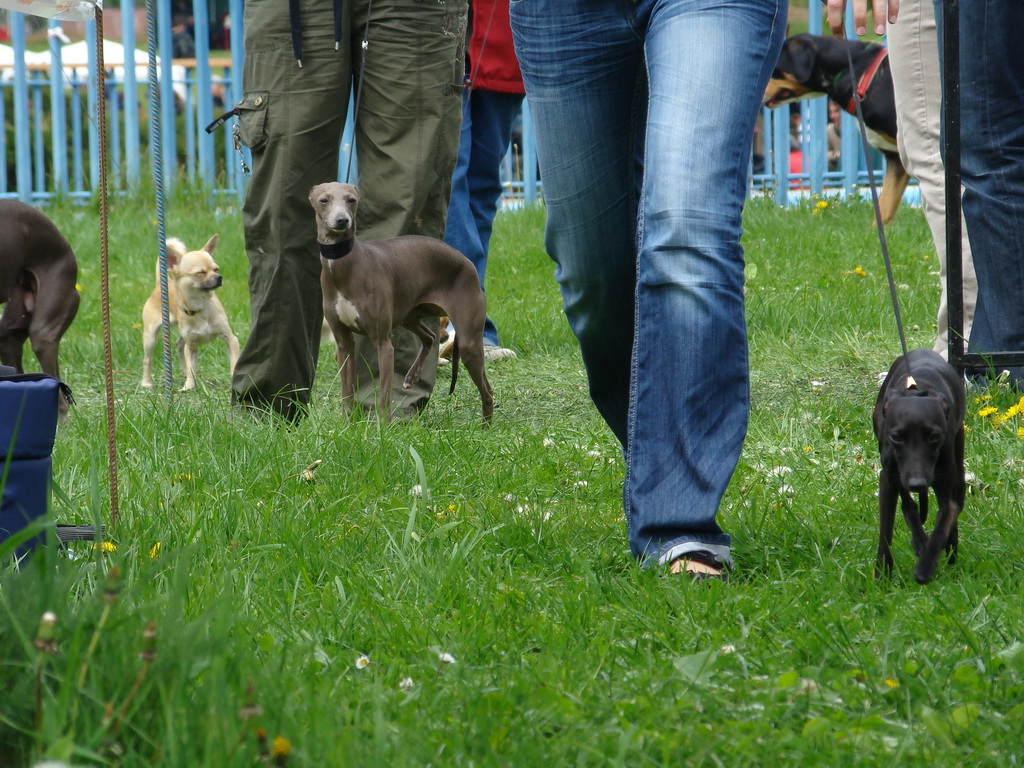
[(175, 250), (798, 58), (211, 243)]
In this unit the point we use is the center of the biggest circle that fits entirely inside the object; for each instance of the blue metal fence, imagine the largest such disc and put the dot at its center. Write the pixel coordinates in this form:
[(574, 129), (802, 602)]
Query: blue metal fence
[(51, 143)]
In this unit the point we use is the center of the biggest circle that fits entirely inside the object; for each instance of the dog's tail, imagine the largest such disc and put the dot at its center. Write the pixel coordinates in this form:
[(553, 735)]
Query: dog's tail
[(455, 364)]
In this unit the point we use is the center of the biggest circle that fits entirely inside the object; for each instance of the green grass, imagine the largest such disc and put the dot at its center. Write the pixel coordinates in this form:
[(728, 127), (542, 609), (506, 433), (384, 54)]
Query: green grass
[(513, 557)]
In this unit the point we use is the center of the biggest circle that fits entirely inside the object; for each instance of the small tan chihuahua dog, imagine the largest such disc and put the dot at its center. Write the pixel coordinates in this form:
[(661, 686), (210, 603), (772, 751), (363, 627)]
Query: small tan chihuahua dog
[(192, 278)]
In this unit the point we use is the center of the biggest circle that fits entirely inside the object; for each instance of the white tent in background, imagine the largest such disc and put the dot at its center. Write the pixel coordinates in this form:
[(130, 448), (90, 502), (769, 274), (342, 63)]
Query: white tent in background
[(74, 59), (77, 54), (7, 60)]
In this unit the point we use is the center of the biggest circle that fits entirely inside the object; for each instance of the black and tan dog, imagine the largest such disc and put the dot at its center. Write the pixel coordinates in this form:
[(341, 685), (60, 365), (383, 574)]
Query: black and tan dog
[(919, 423), (815, 65)]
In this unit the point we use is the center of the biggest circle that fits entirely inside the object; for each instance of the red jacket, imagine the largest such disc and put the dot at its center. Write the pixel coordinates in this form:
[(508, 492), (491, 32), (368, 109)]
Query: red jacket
[(492, 63)]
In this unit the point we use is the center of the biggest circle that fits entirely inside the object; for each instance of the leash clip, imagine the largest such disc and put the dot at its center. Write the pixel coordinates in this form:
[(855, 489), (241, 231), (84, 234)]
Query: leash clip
[(236, 134)]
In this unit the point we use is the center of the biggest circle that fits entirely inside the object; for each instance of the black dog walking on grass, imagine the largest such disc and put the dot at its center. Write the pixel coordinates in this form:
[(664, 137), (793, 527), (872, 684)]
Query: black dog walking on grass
[(919, 423)]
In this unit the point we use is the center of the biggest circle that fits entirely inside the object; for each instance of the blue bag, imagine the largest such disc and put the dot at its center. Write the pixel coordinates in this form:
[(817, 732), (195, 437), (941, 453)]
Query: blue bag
[(28, 426)]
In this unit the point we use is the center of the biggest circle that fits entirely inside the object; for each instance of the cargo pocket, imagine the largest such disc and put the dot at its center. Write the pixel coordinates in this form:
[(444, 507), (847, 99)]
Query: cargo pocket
[(252, 119)]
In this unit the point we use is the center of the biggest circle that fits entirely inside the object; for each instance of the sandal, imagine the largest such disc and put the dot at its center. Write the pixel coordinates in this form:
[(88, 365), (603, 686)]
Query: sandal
[(700, 565)]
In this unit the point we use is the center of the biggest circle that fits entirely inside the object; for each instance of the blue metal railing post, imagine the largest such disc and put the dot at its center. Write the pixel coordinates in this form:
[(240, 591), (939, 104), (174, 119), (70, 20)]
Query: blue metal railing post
[(58, 123), (94, 134), (780, 153), (22, 134), (168, 112), (204, 101), (131, 95), (36, 82), (235, 17), (529, 158)]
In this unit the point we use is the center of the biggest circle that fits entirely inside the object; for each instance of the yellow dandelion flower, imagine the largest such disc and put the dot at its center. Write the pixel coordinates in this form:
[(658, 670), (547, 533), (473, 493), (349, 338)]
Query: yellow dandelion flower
[(280, 748), (154, 551), (807, 449), (859, 271), (821, 204), (892, 682), (105, 546), (78, 287), (987, 411), (1006, 415), (1020, 432)]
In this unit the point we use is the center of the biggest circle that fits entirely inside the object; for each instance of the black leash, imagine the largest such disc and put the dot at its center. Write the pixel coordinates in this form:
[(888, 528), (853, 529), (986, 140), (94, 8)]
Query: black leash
[(878, 220), (878, 211)]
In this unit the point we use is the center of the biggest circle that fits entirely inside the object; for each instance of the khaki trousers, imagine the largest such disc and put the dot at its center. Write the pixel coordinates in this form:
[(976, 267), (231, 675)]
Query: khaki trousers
[(917, 80), (407, 133)]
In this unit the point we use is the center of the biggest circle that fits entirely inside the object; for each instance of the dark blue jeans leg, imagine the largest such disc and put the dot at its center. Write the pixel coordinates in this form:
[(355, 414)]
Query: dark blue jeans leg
[(992, 159), (487, 118), (644, 115)]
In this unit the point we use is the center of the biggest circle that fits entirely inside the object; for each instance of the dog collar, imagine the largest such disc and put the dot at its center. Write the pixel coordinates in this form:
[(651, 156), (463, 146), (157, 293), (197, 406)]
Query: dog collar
[(332, 251), (866, 79)]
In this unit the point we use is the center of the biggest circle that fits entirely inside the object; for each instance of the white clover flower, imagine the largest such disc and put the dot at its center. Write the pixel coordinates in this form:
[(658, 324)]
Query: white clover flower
[(727, 649), (548, 443), (416, 490), (581, 483), (406, 684), (786, 490), (779, 471), (446, 658)]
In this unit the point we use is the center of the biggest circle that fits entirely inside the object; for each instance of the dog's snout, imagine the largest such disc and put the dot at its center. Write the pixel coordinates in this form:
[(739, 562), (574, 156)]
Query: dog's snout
[(918, 483), (341, 222)]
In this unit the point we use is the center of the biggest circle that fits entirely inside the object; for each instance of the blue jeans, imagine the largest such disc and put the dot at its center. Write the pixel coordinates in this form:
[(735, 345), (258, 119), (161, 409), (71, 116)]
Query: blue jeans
[(992, 164), (644, 114), (487, 118)]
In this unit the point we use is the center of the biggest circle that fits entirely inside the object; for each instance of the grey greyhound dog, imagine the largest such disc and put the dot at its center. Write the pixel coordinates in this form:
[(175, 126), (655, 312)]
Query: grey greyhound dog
[(38, 275), (373, 287), (919, 423)]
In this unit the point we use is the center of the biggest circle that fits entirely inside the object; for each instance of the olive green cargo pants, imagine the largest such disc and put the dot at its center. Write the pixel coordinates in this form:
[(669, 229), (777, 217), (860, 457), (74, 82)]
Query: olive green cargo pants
[(406, 134)]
